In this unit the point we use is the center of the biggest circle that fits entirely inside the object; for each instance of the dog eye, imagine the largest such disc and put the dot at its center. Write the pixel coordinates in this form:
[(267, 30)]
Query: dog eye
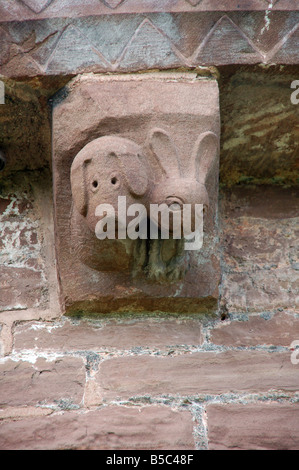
[(95, 183), (114, 180)]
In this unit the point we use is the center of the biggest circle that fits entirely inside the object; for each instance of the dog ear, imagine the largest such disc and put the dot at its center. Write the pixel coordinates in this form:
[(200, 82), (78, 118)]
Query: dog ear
[(78, 184), (166, 159), (204, 155), (134, 172)]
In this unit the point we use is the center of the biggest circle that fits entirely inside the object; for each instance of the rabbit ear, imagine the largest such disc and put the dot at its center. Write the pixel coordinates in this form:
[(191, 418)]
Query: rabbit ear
[(204, 155), (165, 154), (78, 185), (134, 173)]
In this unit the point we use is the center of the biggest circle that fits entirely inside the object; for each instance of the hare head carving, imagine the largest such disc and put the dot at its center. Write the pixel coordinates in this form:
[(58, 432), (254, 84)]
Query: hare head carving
[(173, 188), (107, 167)]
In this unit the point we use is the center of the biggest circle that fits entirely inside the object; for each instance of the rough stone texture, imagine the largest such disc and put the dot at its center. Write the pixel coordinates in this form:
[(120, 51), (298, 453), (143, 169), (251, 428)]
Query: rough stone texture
[(198, 373), (242, 362), (281, 330), (77, 43), (259, 142), (42, 382), (21, 288), (253, 427), (260, 262), (22, 276), (34, 9), (25, 134), (129, 106), (278, 290), (111, 428), (256, 147), (23, 412), (28, 275), (70, 336)]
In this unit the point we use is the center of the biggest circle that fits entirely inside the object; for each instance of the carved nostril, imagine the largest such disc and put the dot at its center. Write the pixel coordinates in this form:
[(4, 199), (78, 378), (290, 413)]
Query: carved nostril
[(95, 184), (114, 180)]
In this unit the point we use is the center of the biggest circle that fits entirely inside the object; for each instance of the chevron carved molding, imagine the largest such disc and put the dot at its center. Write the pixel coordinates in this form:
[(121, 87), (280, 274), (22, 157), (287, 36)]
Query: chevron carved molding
[(22, 10), (37, 6), (135, 42)]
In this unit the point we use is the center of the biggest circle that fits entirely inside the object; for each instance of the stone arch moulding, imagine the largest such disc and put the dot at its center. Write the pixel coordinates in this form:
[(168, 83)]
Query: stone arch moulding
[(145, 139)]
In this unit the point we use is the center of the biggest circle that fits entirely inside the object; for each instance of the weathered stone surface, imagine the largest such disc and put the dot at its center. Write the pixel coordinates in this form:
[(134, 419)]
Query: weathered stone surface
[(33, 9), (111, 428), (227, 44), (28, 275), (85, 41), (22, 273), (253, 427), (259, 233), (259, 262), (259, 143), (262, 290), (25, 133), (68, 336), (272, 202), (198, 373), (42, 382), (129, 107), (23, 412), (20, 288), (280, 330)]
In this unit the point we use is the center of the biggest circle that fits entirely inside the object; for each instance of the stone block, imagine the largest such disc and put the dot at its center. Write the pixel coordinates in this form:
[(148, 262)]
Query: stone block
[(158, 130), (258, 426), (42, 382), (68, 336), (281, 330), (110, 428), (197, 373), (20, 288), (260, 256), (22, 275)]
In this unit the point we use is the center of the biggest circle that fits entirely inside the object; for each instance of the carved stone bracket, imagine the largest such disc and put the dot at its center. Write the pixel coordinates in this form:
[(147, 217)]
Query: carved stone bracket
[(134, 141)]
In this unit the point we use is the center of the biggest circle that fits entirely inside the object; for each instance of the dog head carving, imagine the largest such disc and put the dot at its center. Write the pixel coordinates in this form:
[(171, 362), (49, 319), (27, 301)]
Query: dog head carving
[(107, 167)]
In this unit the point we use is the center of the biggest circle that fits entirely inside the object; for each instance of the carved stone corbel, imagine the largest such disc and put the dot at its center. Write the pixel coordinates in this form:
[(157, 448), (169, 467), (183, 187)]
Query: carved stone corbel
[(145, 141)]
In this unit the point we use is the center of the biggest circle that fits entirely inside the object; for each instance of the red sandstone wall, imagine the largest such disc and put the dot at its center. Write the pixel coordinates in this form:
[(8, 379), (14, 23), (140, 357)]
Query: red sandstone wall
[(157, 381)]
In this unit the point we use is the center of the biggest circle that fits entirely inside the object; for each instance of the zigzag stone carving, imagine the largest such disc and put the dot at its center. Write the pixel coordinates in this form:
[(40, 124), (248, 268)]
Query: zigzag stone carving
[(37, 6), (136, 42), (22, 10), (129, 6), (112, 3)]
